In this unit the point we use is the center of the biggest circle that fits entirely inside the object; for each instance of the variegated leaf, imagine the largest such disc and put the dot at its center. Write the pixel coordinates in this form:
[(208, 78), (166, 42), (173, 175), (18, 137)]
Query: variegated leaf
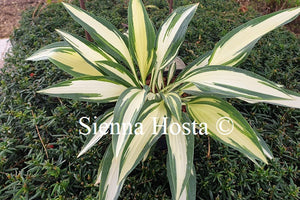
[(126, 113), (64, 57), (226, 124), (85, 48), (99, 129), (237, 44), (171, 35), (114, 170), (294, 102), (119, 72), (98, 58), (189, 192), (171, 72), (233, 82), (97, 89), (201, 61), (173, 103), (154, 121), (104, 33), (108, 176), (141, 37), (180, 157), (146, 155)]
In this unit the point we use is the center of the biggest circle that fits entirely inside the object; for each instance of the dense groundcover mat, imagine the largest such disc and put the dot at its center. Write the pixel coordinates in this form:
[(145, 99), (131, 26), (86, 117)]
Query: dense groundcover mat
[(40, 139)]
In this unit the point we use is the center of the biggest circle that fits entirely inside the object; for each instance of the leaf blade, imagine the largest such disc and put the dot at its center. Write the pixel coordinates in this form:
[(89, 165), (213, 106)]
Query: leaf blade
[(104, 33), (64, 57), (96, 89), (108, 176), (236, 133), (98, 58), (126, 113), (141, 37), (96, 135), (139, 144), (180, 159), (171, 34), (234, 82), (173, 102), (237, 44)]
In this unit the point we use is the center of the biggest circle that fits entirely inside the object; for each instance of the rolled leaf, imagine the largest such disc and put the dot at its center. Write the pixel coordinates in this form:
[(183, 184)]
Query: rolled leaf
[(177, 64), (171, 34), (97, 132), (173, 102), (201, 61), (114, 170)]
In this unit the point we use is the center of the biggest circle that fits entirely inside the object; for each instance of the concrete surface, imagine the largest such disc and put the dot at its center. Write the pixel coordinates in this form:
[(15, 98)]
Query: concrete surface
[(4, 48)]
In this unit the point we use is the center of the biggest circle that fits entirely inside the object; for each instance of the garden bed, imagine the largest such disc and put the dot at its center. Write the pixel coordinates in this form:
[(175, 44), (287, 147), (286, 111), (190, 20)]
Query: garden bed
[(33, 124)]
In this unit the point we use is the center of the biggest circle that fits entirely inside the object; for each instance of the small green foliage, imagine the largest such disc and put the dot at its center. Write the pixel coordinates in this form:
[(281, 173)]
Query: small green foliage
[(27, 173)]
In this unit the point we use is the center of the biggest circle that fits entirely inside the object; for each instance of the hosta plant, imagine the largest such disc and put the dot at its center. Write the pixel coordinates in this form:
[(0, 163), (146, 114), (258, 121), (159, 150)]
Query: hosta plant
[(137, 72)]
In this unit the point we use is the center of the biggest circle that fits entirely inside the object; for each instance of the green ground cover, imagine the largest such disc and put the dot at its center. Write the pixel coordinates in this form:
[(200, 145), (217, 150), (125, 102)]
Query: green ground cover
[(27, 173)]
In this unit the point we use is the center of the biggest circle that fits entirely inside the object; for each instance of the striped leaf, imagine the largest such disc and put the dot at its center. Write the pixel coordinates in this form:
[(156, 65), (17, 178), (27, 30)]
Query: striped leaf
[(85, 48), (97, 89), (180, 157), (227, 125), (201, 61), (171, 35), (108, 176), (233, 82), (153, 119), (126, 112), (141, 37), (117, 71), (114, 170), (294, 102), (237, 44), (173, 103), (171, 72), (169, 39), (189, 192), (98, 58), (99, 129), (64, 57), (104, 33)]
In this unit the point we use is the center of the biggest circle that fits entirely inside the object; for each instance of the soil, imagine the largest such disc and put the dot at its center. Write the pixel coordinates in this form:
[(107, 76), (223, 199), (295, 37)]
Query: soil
[(11, 14), (266, 8)]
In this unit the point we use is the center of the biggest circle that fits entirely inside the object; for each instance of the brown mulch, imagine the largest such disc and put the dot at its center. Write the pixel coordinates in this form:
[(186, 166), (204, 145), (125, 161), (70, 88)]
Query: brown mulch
[(265, 8), (10, 14)]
